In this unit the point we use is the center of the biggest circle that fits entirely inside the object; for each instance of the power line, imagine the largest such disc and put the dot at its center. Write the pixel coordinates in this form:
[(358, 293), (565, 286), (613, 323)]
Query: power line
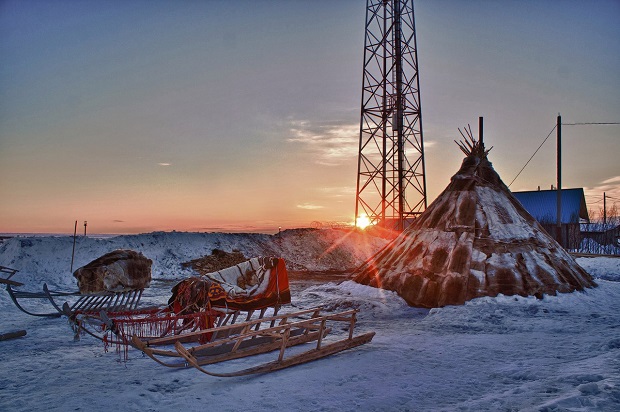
[(587, 123), (546, 138), (528, 162)]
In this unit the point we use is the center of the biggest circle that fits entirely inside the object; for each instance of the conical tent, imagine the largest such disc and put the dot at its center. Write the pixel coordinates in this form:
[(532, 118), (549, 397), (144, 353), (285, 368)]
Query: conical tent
[(474, 240)]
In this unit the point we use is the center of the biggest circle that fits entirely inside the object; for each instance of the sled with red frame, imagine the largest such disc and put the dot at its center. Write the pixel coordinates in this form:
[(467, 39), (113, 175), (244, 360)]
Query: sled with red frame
[(247, 291)]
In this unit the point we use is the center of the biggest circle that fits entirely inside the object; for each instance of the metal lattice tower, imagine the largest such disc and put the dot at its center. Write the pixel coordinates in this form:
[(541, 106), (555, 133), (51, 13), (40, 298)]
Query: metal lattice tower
[(391, 182)]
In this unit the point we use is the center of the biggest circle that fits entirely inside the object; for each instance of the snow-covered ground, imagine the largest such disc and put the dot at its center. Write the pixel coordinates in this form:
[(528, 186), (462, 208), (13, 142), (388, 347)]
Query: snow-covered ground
[(561, 353)]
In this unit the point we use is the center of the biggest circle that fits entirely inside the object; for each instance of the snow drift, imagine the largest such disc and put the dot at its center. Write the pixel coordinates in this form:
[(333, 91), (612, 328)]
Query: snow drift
[(558, 353)]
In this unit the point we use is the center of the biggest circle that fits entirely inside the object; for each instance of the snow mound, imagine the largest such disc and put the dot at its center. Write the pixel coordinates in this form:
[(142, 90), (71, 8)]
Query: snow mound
[(49, 258), (607, 268), (352, 295)]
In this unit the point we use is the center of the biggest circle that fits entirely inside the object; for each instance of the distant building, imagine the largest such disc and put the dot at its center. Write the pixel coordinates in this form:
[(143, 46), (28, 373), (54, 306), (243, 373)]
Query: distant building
[(542, 205), (604, 234)]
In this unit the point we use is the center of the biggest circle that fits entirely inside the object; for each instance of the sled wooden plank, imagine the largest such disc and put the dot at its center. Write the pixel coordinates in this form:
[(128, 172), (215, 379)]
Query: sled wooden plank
[(277, 337), (135, 299), (274, 332), (223, 353), (236, 334), (171, 339), (298, 359), (10, 272), (256, 349), (12, 335), (10, 282), (93, 302)]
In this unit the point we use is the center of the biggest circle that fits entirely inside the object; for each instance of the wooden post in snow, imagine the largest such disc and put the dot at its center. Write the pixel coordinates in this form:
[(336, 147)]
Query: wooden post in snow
[(559, 182), (73, 252), (604, 209), (12, 335)]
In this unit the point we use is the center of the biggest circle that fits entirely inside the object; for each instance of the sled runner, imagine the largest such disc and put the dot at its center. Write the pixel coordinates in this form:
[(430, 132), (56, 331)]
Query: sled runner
[(18, 294)]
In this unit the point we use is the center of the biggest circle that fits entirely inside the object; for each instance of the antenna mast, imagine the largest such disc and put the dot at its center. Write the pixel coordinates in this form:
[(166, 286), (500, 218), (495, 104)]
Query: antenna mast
[(391, 181)]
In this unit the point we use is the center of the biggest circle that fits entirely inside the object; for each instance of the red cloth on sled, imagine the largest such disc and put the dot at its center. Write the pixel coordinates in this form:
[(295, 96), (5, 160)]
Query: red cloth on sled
[(255, 284)]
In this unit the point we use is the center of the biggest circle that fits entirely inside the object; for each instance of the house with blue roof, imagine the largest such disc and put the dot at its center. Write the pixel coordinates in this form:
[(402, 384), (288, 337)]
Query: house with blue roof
[(542, 205)]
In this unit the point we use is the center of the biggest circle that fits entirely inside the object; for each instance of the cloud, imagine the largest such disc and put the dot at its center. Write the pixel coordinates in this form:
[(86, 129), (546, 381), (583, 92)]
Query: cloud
[(337, 192), (611, 188), (309, 206), (615, 179), (331, 143), (164, 164)]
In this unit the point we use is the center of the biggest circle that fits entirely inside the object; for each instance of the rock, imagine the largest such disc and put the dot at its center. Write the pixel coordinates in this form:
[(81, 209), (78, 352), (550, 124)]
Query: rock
[(589, 388), (218, 260), (117, 270)]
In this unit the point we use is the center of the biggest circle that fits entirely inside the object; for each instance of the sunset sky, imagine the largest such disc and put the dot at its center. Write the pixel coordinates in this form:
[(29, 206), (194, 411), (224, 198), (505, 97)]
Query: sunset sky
[(191, 115)]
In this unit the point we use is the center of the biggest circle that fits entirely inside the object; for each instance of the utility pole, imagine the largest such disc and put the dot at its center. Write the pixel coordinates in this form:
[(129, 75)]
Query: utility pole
[(559, 181), (604, 209), (73, 251)]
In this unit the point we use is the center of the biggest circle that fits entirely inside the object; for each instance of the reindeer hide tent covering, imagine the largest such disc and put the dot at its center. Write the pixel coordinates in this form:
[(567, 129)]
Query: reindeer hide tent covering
[(474, 240)]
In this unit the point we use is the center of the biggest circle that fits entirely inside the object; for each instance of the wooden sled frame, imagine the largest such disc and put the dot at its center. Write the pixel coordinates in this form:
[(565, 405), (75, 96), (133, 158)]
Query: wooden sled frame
[(219, 336), (109, 326), (16, 295), (19, 294), (124, 300), (248, 339), (10, 272)]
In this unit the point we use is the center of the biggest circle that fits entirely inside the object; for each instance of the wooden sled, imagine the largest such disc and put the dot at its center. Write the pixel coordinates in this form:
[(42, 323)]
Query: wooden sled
[(163, 325), (217, 299), (251, 338), (220, 340), (122, 300), (16, 294), (19, 296)]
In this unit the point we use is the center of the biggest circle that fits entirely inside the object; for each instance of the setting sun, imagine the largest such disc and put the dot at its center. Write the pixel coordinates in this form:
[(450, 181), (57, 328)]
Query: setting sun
[(362, 222)]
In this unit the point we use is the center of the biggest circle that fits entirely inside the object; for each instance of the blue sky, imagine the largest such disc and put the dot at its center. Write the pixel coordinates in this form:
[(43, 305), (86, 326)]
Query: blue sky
[(218, 115)]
